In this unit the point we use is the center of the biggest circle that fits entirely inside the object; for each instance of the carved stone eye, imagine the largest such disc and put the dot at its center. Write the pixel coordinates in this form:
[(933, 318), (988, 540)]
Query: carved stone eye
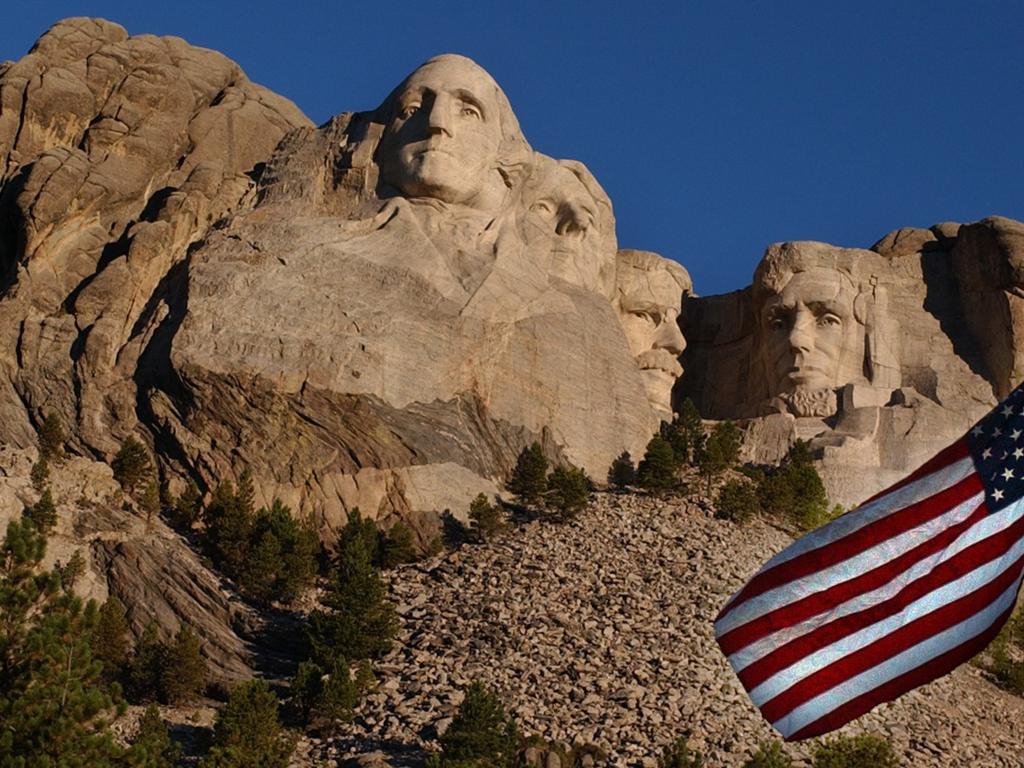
[(829, 320), (468, 110), (409, 110)]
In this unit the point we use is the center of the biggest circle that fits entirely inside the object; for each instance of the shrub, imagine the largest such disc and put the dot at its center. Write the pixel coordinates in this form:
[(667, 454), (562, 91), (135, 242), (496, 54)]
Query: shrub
[(282, 555), (183, 671), (529, 478), (39, 473), (247, 732), (686, 434), (51, 437), (863, 751), (480, 734), (721, 452), (769, 756), (622, 473), (152, 746), (657, 470), (487, 519), (325, 698), (737, 501), (131, 464), (678, 755), (397, 547), (43, 513), (568, 491)]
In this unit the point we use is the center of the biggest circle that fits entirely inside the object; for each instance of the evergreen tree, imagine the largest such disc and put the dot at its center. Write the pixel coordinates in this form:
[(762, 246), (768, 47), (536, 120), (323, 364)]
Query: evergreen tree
[(325, 698), (51, 437), (229, 520), (182, 671), (657, 470), (39, 473), (568, 491), (487, 520), (721, 452), (622, 473), (43, 513), (110, 639), (131, 465), (360, 622), (397, 547), (737, 501), (188, 507), (480, 734), (71, 571), (153, 746), (282, 555), (150, 501), (529, 478), (147, 665), (795, 490), (247, 733), (686, 434)]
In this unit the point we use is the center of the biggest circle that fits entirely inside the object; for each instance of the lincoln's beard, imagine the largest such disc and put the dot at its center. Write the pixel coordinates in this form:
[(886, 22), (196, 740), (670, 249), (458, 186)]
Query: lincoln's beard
[(819, 403)]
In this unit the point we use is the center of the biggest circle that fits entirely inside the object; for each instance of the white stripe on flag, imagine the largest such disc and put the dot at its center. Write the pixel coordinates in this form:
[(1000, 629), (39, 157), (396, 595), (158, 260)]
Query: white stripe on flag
[(934, 600), (846, 569), (912, 658)]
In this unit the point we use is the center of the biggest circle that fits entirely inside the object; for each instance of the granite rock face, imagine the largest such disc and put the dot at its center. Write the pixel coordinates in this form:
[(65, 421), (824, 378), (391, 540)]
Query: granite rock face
[(878, 357)]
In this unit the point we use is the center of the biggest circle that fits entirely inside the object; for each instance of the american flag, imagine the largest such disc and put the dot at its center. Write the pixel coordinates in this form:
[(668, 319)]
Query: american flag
[(891, 595)]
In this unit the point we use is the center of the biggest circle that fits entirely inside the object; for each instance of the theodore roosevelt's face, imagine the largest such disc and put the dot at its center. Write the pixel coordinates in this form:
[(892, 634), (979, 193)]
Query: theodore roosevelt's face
[(443, 137), (812, 339)]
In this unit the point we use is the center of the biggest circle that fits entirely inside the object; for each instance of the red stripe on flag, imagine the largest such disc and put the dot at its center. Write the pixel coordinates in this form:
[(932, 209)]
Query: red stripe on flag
[(943, 458), (892, 644), (814, 604), (963, 562), (857, 541), (930, 670)]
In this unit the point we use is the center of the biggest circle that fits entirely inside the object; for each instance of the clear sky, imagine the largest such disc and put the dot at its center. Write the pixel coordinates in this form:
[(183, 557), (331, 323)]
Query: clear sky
[(715, 127)]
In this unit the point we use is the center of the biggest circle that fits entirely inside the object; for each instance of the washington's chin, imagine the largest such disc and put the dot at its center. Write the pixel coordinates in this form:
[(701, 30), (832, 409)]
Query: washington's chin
[(658, 384)]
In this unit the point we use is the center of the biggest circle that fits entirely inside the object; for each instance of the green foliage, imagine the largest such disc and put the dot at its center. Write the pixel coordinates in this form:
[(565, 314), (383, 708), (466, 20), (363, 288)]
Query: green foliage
[(678, 755), (737, 501), (657, 470), (247, 733), (43, 513), (686, 434), (229, 522), (325, 698), (282, 555), (51, 437), (769, 755), (480, 734), (1001, 659), (487, 520), (110, 639), (721, 451), (360, 622), (397, 547), (153, 746), (150, 500), (131, 465), (795, 491), (52, 699), (568, 491), (71, 571), (145, 672), (863, 751), (39, 473), (622, 473), (183, 671), (529, 478), (188, 507)]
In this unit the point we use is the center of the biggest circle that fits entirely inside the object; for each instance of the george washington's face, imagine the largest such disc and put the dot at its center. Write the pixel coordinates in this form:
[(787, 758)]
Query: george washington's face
[(812, 339), (444, 134)]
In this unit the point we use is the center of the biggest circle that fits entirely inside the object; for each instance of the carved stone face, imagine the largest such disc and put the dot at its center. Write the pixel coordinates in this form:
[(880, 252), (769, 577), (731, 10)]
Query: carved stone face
[(650, 298), (565, 218), (812, 340), (443, 137)]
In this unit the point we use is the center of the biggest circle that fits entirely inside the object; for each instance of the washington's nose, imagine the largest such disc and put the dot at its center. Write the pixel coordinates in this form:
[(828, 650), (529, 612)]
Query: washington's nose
[(439, 118), (669, 337)]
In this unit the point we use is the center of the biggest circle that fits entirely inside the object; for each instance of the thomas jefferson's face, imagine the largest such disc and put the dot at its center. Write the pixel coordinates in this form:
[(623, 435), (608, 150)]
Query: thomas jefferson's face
[(649, 306), (443, 138), (813, 340)]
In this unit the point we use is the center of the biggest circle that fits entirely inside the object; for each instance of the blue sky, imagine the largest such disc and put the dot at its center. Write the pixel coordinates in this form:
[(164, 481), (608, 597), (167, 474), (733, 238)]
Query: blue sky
[(716, 127)]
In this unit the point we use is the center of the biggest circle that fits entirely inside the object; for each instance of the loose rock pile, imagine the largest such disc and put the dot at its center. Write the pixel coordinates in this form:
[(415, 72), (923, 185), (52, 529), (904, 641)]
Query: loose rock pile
[(600, 631)]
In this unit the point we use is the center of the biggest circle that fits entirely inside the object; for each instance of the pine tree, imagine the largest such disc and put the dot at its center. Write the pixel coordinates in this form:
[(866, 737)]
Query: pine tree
[(721, 452), (529, 478), (110, 639), (71, 571), (657, 470), (480, 734), (736, 501), (147, 665), (247, 732), (397, 547), (568, 491), (622, 473), (282, 555), (795, 490), (487, 520), (188, 507), (360, 622), (183, 671), (686, 434), (153, 746), (229, 521), (40, 473), (43, 513), (150, 501), (51, 437), (131, 465)]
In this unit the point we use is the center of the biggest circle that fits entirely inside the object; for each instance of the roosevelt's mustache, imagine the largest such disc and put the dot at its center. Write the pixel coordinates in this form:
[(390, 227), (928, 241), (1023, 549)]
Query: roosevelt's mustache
[(660, 359)]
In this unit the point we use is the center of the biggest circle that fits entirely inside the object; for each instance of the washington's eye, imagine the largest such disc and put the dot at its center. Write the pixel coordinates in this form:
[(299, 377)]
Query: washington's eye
[(776, 323), (409, 110), (468, 110)]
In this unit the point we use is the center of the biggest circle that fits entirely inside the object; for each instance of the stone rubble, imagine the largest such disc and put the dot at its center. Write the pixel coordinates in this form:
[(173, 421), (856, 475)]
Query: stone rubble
[(600, 631)]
